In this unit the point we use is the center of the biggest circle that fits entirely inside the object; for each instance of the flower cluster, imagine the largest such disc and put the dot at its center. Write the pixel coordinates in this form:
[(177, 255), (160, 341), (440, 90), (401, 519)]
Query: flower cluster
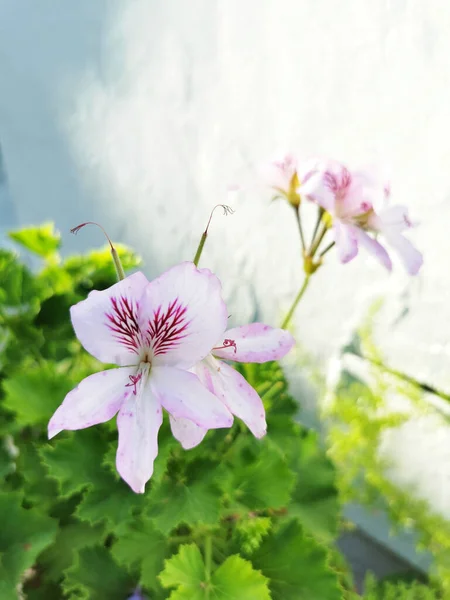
[(169, 340), (353, 204)]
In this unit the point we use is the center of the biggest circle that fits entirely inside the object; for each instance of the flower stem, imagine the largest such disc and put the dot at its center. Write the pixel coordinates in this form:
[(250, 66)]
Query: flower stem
[(200, 248), (316, 226), (299, 296), (326, 249), (315, 245), (208, 564), (300, 228), (227, 210), (117, 264)]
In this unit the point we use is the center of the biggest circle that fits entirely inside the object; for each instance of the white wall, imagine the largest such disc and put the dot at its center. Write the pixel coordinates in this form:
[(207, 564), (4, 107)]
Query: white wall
[(138, 113)]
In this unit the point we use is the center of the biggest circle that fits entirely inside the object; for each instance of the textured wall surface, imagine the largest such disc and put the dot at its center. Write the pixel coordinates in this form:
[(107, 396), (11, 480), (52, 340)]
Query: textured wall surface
[(138, 113)]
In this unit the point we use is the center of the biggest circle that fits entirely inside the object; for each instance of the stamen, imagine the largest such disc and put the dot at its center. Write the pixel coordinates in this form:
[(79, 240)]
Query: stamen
[(166, 330), (124, 324), (134, 380), (227, 344)]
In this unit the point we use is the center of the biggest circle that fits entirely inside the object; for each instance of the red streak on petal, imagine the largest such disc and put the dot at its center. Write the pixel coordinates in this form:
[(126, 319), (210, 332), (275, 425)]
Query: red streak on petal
[(227, 343), (166, 329), (123, 322)]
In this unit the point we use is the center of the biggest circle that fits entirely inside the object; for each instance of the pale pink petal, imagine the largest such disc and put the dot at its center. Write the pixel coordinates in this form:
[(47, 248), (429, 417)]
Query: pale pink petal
[(95, 400), (315, 189), (375, 248), (410, 256), (183, 396), (254, 343), (234, 391), (183, 315), (392, 220), (106, 323), (138, 423), (346, 241), (186, 432), (278, 173)]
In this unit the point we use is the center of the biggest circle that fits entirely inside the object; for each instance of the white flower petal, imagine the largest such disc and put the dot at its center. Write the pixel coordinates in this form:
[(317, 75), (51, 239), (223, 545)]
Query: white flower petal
[(255, 342), (107, 322), (138, 423), (235, 392), (346, 243), (186, 432), (95, 400), (183, 396), (374, 247), (183, 315), (410, 256)]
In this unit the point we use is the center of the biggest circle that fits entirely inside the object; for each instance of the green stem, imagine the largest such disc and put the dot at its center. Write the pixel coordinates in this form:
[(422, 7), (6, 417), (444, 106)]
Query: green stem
[(322, 254), (200, 248), (208, 564), (316, 227), (315, 245), (300, 228), (299, 296), (119, 269)]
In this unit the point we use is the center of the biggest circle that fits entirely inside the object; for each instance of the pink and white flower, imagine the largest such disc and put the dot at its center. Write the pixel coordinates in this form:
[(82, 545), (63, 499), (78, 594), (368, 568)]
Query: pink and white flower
[(290, 178), (358, 205), (254, 343), (155, 332)]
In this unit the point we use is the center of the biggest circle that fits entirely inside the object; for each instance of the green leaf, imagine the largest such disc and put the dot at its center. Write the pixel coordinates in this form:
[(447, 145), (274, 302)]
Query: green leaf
[(185, 571), (108, 499), (249, 532), (17, 286), (399, 590), (43, 241), (141, 548), (192, 502), (235, 579), (34, 395), (258, 478), (70, 539), (96, 575), (76, 462), (296, 565), (23, 536), (314, 499)]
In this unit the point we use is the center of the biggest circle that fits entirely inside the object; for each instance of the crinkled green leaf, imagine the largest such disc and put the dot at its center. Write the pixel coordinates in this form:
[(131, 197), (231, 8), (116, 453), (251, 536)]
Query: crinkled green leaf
[(70, 539), (257, 478), (399, 590), (234, 579), (23, 536), (142, 549), (314, 498), (40, 490), (108, 499), (237, 579), (76, 462), (96, 575), (249, 532), (34, 394), (185, 571), (43, 240), (296, 565), (172, 503)]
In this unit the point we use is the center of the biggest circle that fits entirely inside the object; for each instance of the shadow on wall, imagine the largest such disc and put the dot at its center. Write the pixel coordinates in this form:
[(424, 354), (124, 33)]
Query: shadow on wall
[(7, 212), (39, 54)]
